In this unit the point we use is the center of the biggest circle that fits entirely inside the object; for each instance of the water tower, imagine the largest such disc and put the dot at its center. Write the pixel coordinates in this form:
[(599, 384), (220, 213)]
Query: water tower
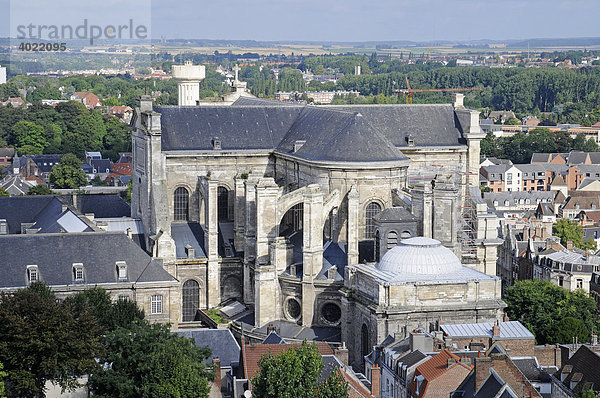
[(188, 78)]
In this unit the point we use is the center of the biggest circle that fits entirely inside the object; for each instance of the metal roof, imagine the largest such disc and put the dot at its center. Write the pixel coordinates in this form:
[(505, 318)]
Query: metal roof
[(511, 330)]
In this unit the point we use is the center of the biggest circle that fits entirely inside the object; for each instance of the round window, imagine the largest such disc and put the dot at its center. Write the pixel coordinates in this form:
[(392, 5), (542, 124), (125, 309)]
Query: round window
[(293, 308), (331, 312)]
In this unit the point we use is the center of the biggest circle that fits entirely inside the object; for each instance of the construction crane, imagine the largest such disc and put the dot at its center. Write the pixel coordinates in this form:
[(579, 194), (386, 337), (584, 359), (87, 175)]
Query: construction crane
[(410, 91)]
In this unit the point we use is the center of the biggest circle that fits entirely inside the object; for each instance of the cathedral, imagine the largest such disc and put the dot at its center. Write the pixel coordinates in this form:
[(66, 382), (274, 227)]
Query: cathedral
[(308, 213)]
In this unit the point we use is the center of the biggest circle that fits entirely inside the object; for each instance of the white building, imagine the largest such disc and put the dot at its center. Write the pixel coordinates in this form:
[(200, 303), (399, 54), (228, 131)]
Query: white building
[(2, 74)]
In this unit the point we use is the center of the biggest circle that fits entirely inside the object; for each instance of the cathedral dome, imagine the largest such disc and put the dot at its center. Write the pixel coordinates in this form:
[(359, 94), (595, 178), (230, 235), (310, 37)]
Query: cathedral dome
[(421, 256)]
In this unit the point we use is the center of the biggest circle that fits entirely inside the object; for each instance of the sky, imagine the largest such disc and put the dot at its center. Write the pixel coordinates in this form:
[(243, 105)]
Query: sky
[(323, 20)]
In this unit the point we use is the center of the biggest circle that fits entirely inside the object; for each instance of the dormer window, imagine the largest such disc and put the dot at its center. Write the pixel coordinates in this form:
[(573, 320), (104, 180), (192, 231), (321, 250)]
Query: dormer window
[(122, 270), (410, 140), (33, 273), (78, 275), (298, 144), (216, 143)]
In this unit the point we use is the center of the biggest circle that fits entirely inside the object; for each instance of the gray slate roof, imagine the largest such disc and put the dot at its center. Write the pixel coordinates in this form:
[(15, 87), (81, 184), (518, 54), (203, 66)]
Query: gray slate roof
[(332, 133), (103, 205), (188, 234), (220, 341), (55, 254), (338, 136)]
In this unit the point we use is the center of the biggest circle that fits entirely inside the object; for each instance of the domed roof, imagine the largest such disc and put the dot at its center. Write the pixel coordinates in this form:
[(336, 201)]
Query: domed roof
[(421, 256)]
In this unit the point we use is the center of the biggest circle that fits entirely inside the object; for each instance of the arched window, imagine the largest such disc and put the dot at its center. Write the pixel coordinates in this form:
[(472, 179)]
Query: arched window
[(364, 341), (191, 300), (224, 211), (392, 239), (373, 209), (181, 204), (405, 235)]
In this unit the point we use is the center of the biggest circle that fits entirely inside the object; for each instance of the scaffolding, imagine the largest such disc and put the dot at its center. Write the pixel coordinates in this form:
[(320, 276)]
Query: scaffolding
[(467, 219)]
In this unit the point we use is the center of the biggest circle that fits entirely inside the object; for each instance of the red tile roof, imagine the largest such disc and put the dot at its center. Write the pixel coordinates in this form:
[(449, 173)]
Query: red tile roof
[(435, 367), (252, 353)]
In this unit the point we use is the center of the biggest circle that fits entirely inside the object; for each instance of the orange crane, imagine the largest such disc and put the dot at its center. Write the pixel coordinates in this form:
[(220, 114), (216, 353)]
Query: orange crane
[(410, 91)]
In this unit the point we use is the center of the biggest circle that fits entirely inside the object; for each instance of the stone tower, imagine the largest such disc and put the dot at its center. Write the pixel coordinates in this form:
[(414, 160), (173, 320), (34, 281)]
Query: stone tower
[(188, 78)]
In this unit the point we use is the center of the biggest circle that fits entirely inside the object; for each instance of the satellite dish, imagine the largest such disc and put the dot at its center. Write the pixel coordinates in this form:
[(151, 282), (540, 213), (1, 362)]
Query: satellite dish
[(247, 394)]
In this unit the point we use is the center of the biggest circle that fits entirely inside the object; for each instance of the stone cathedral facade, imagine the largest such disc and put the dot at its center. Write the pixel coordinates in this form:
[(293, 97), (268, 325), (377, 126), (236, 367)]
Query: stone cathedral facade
[(275, 205)]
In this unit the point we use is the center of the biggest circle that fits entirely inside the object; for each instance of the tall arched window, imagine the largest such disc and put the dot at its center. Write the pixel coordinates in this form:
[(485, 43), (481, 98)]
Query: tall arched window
[(223, 204), (181, 204), (373, 209), (191, 300), (364, 341)]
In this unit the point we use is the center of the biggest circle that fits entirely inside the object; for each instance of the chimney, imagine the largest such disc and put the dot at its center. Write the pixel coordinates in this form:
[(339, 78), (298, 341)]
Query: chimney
[(496, 330), (594, 339), (458, 100), (482, 370), (129, 233), (375, 381), (570, 245), (342, 354), (270, 328), (505, 318), (217, 363)]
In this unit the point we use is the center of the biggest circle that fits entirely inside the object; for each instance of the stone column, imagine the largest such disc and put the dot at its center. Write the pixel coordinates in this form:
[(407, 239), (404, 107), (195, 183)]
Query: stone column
[(250, 224), (422, 208), (249, 236), (266, 218), (353, 223), (212, 244), (469, 121), (266, 294), (446, 212), (239, 213), (312, 255)]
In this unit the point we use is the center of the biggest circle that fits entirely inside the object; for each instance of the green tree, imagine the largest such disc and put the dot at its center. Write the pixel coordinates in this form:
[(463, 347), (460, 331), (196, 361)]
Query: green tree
[(68, 173), (541, 306), (29, 138), (110, 315), (568, 230), (4, 192), (568, 328), (294, 373), (40, 190), (149, 361), (2, 376), (42, 340)]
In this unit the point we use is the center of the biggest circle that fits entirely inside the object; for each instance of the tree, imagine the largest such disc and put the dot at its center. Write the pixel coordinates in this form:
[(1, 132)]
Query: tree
[(110, 315), (568, 230), (149, 361), (29, 138), (543, 308), (42, 340), (40, 190), (68, 173), (568, 328), (294, 373), (2, 376), (4, 192)]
